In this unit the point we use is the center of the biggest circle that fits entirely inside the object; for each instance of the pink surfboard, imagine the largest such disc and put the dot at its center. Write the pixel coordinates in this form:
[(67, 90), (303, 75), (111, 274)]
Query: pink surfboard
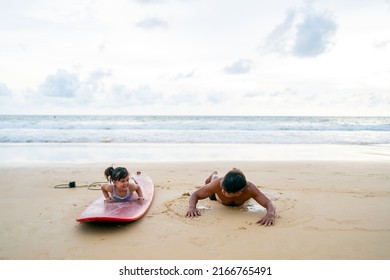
[(99, 211)]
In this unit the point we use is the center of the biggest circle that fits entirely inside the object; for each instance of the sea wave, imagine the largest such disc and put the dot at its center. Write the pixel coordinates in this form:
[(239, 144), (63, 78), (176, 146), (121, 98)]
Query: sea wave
[(195, 129)]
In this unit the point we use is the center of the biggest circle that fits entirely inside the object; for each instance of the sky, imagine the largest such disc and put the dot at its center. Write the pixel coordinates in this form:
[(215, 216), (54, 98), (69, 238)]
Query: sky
[(195, 57)]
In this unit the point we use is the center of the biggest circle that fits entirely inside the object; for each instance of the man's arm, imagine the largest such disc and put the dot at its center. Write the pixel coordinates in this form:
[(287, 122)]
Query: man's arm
[(259, 197), (202, 193)]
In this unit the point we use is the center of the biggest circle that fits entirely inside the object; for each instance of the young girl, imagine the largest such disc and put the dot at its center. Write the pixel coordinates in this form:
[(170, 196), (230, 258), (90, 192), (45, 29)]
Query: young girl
[(120, 187)]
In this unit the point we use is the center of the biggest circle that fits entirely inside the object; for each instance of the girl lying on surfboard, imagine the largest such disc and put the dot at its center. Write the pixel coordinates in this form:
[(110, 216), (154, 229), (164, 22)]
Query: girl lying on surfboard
[(121, 186), (231, 190)]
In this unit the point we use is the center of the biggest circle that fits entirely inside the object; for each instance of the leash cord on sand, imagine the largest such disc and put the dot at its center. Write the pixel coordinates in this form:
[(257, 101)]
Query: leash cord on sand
[(93, 186)]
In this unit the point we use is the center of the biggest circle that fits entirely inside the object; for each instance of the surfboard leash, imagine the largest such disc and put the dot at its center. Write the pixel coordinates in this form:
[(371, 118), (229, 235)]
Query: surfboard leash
[(92, 186)]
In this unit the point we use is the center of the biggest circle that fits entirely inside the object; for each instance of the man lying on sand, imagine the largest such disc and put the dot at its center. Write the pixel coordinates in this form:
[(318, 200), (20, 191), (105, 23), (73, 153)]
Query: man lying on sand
[(231, 190)]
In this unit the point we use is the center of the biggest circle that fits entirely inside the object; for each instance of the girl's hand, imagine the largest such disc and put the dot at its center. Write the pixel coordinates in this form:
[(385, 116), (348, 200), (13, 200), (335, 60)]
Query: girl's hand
[(108, 200), (141, 198)]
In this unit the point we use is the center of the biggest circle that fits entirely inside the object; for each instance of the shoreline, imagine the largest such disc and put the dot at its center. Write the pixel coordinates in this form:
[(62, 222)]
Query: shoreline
[(326, 210), (38, 153)]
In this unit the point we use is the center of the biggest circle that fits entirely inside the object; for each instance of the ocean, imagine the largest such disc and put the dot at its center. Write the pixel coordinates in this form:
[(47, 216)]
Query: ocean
[(84, 138), (195, 129)]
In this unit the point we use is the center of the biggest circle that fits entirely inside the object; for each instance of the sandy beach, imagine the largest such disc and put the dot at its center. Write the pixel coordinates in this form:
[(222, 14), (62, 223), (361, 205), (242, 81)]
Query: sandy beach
[(325, 210)]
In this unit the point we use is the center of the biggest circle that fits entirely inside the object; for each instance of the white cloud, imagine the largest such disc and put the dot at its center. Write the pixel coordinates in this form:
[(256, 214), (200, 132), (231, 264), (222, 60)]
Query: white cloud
[(149, 1), (186, 75), (61, 84), (383, 44), (99, 74), (143, 95), (314, 35), (4, 90), (241, 66), (185, 98), (170, 57), (152, 22), (303, 34), (279, 38)]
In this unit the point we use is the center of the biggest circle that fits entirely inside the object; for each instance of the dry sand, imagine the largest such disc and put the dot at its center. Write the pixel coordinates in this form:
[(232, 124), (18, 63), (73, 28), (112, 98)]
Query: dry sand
[(325, 210)]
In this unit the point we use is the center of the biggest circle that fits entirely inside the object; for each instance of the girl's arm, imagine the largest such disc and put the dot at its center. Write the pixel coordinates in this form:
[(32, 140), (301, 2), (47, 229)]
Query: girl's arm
[(135, 187), (139, 192), (106, 189)]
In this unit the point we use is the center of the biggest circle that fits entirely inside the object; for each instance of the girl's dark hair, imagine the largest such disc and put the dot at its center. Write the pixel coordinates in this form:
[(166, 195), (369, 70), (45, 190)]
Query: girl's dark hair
[(234, 181), (115, 174)]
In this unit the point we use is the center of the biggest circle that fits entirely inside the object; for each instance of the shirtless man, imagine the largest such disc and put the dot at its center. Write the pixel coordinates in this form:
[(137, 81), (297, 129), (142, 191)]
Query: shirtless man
[(231, 190)]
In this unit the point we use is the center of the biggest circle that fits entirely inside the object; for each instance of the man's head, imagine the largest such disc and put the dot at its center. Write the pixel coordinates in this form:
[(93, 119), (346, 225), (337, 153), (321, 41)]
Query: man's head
[(234, 181)]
